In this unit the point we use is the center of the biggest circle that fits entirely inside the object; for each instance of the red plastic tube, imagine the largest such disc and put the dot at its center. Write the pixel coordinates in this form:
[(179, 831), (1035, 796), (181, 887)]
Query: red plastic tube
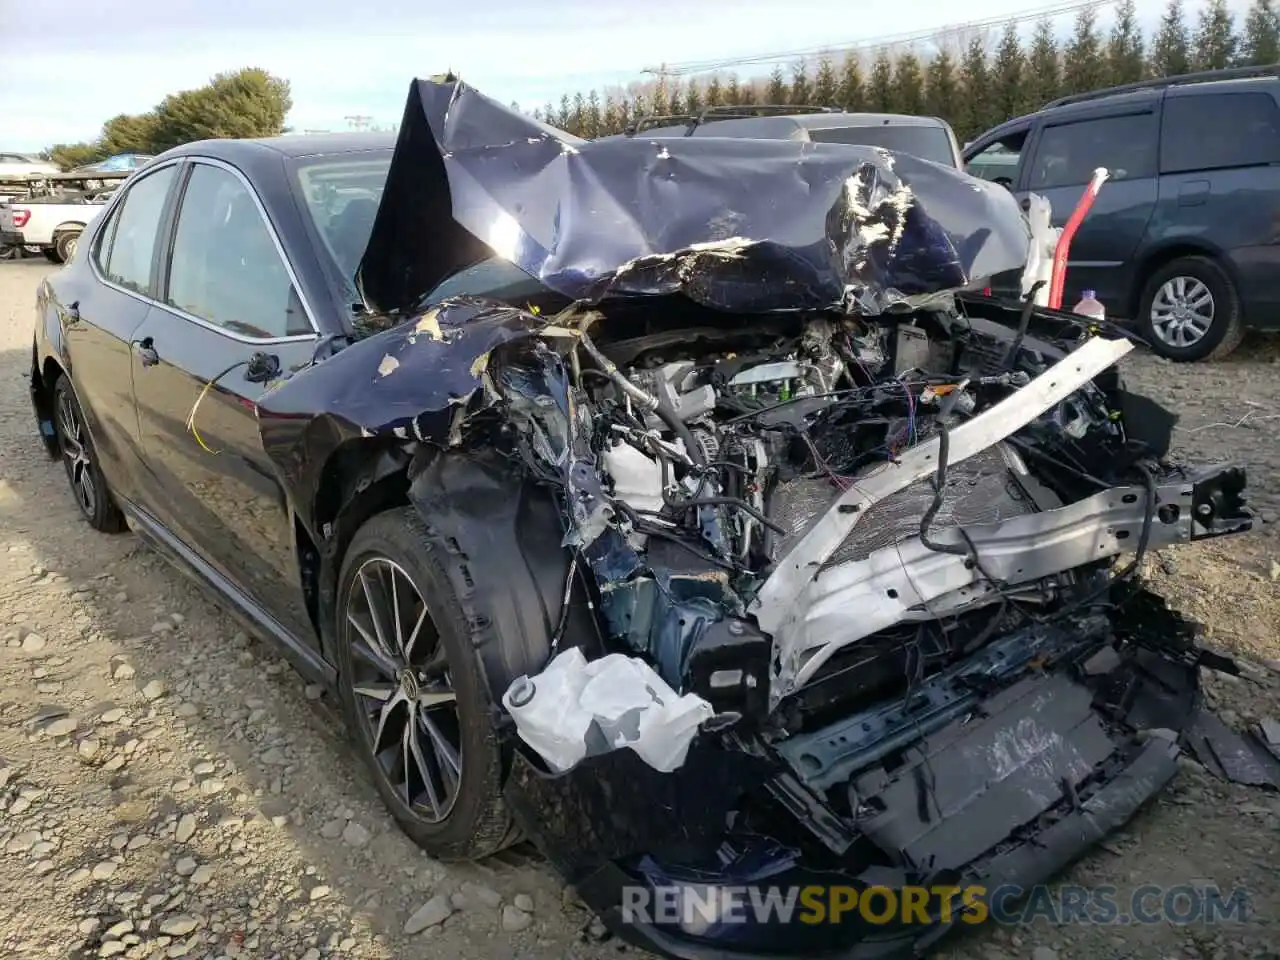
[(1059, 276)]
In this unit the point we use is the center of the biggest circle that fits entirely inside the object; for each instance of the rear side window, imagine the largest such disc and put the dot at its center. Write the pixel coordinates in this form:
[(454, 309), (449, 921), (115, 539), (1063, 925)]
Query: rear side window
[(1209, 131), (928, 143), (225, 267), (130, 239), (1070, 152)]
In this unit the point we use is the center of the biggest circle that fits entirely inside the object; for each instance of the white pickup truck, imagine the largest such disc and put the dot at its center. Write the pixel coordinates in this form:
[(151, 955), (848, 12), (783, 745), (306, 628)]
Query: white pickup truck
[(52, 224)]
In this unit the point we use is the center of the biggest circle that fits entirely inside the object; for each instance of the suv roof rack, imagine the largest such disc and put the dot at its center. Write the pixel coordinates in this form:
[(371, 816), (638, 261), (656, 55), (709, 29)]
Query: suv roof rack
[(1203, 76), (727, 112)]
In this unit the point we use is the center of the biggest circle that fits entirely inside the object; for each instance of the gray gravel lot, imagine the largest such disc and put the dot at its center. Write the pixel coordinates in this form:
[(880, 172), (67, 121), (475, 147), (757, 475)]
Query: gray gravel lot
[(169, 788)]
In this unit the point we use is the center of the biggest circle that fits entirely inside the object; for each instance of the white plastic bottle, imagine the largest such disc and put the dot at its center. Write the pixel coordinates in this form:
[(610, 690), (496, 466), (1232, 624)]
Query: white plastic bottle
[(1090, 306)]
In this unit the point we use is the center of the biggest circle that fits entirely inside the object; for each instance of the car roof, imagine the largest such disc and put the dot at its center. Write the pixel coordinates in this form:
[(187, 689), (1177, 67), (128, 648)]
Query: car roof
[(1122, 98), (290, 145), (790, 126)]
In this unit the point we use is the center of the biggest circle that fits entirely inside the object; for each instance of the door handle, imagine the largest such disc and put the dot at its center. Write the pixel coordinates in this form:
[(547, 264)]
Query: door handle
[(146, 352)]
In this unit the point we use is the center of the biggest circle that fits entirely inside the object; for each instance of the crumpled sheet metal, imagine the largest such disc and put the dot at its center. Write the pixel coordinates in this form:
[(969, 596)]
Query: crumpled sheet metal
[(738, 225), (409, 381)]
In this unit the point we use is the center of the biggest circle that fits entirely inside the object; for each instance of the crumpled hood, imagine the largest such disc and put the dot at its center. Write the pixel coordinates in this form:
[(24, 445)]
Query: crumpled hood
[(737, 225)]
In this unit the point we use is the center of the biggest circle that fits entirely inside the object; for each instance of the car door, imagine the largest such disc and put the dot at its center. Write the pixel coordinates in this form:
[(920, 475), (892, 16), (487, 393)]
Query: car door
[(1064, 155), (100, 308), (229, 309)]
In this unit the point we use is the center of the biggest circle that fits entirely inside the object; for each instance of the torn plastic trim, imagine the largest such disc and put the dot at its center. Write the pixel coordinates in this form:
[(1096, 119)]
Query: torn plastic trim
[(784, 598), (909, 581)]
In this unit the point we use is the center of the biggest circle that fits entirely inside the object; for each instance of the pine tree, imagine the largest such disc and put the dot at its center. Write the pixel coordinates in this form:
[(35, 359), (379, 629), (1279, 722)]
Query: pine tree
[(693, 98), (880, 92), (1044, 67), (975, 102), (591, 119), (1125, 62), (1261, 43), (732, 91), (801, 90), (1083, 68), (777, 89), (549, 113), (1169, 48), (1008, 92), (659, 103), (852, 94), (578, 119), (624, 113), (715, 92), (565, 114), (825, 85), (908, 84), (640, 108), (610, 122), (941, 93), (1214, 45)]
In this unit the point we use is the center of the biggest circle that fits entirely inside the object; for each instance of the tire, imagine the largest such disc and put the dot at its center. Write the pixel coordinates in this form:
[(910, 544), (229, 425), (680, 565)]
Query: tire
[(473, 823), (1177, 293), (80, 460), (65, 243), (51, 254)]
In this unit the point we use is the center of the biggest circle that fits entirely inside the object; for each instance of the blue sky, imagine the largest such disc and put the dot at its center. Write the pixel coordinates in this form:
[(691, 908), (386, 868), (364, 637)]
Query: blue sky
[(62, 74)]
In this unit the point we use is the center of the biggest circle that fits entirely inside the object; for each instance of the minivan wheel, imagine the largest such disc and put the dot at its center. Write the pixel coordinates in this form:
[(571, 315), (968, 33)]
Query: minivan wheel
[(416, 699), (1190, 311), (79, 458)]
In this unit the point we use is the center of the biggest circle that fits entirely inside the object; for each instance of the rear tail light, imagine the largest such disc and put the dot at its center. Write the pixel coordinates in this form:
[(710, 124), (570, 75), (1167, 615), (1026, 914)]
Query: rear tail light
[(20, 216), (986, 291)]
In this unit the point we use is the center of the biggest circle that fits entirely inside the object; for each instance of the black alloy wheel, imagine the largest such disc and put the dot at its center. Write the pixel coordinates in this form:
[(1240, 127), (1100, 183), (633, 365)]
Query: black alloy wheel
[(415, 696), (400, 678), (88, 485)]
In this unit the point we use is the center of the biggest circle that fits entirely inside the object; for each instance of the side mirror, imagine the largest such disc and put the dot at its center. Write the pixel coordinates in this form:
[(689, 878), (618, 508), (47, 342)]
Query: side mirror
[(262, 367)]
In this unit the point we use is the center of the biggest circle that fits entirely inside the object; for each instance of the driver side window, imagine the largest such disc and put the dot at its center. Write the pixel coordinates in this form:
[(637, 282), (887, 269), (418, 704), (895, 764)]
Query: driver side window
[(999, 160)]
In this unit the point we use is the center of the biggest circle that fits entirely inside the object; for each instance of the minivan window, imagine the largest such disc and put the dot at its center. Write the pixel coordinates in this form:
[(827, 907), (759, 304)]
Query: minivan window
[(128, 261), (999, 160), (1070, 152), (928, 143), (1208, 131)]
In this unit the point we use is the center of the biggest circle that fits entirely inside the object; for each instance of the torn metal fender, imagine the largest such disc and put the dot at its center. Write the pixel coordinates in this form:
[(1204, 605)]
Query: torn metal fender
[(736, 224), (408, 382), (505, 533), (786, 595)]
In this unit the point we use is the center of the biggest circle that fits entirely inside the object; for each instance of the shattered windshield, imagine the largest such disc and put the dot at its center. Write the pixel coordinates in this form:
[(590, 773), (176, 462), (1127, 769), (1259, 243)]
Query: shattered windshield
[(341, 195), (927, 143)]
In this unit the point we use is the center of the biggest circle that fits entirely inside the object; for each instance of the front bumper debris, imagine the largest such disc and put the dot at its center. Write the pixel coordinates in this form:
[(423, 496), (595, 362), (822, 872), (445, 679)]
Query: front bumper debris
[(997, 773)]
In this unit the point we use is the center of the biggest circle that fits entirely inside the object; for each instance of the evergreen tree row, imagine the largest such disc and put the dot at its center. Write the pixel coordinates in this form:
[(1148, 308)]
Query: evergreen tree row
[(973, 89)]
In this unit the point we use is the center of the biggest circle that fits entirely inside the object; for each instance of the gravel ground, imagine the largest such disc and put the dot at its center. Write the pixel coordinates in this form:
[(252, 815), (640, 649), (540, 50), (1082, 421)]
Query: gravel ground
[(169, 787)]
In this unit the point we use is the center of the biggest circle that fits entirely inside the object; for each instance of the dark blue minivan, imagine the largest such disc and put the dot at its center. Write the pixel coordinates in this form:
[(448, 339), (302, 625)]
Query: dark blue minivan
[(1184, 239)]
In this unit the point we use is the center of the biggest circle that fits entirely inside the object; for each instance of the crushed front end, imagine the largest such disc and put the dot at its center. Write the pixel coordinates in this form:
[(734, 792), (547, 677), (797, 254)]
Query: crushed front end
[(898, 560), (851, 593)]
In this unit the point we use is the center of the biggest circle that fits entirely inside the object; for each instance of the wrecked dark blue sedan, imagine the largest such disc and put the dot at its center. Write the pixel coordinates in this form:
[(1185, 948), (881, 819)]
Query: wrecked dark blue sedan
[(666, 503)]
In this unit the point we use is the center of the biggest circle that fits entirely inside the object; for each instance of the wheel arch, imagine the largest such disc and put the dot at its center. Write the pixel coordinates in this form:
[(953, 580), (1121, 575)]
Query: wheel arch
[(43, 377)]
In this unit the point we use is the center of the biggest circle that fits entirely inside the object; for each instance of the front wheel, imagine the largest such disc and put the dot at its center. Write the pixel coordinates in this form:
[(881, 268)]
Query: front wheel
[(1190, 311), (415, 696)]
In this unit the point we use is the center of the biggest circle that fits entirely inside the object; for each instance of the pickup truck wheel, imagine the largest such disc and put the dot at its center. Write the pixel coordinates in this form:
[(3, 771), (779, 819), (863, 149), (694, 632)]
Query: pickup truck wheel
[(88, 485), (51, 254), (413, 690), (1190, 311), (65, 244)]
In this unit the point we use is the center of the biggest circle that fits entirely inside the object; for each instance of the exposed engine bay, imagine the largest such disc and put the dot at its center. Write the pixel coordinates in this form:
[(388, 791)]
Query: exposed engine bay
[(705, 462), (789, 562)]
